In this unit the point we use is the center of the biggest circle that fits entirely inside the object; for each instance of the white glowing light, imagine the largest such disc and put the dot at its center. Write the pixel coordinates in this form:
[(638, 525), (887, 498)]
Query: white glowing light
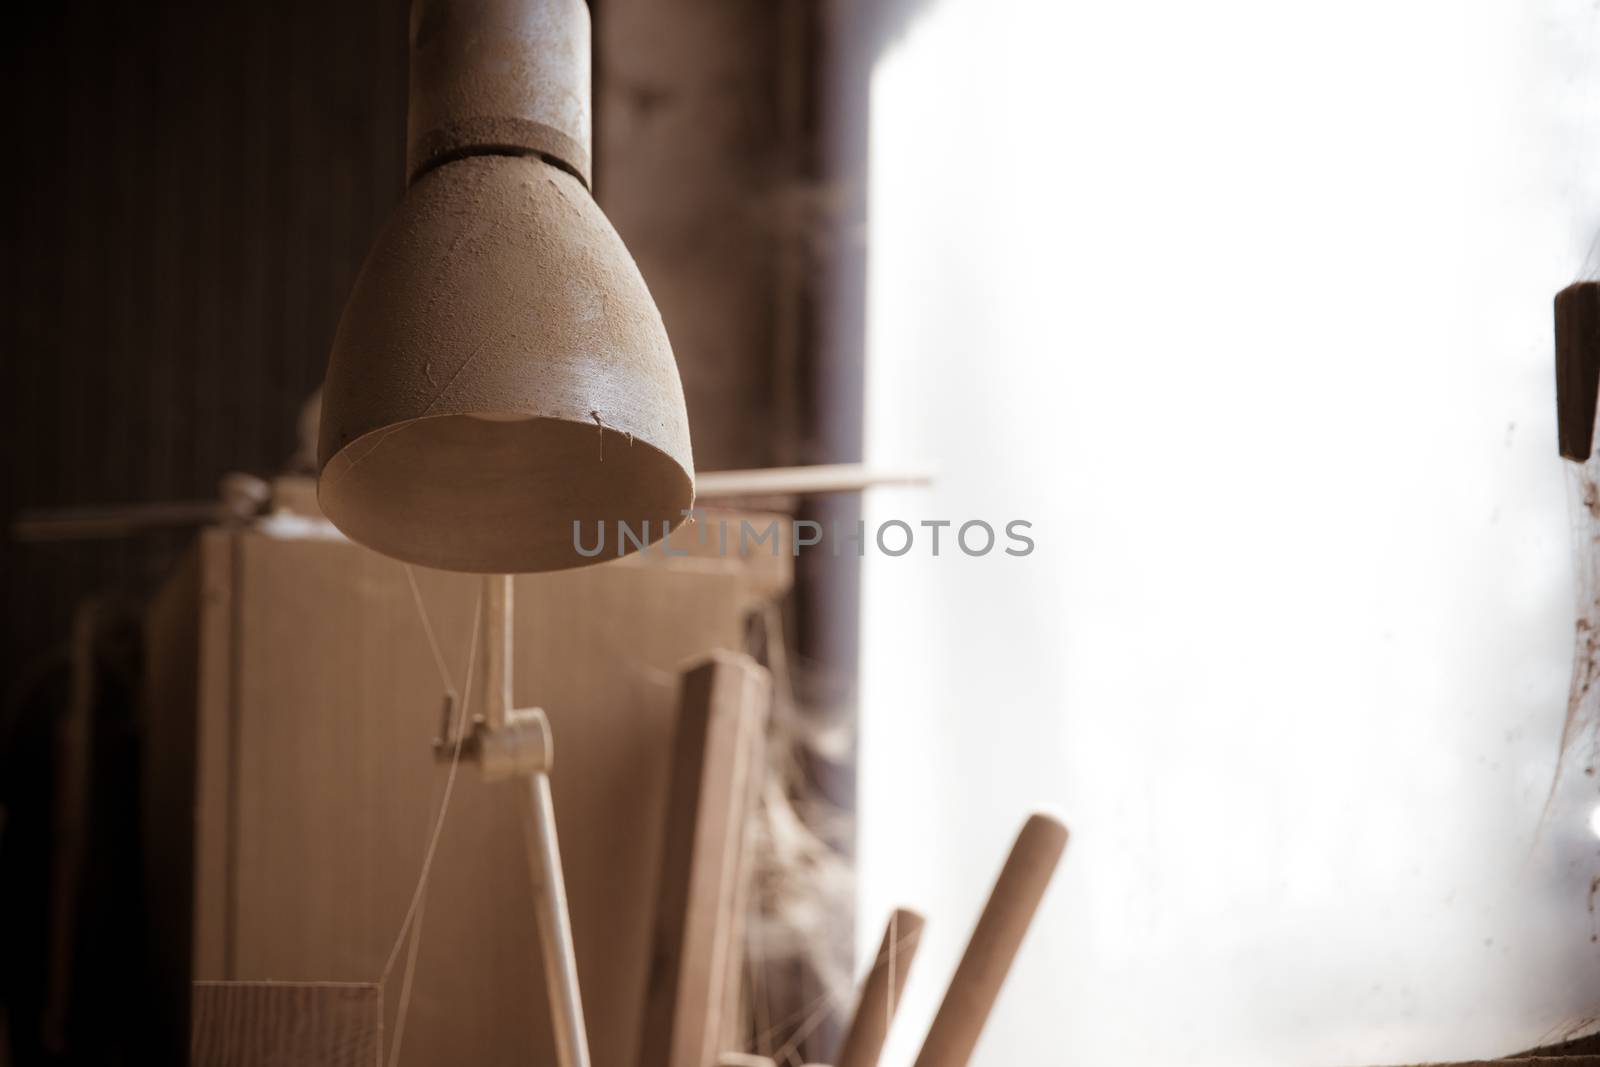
[(1594, 820), (1211, 313)]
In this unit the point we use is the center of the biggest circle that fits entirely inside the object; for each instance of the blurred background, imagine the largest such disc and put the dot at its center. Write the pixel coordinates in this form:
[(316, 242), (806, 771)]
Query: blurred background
[(1244, 307)]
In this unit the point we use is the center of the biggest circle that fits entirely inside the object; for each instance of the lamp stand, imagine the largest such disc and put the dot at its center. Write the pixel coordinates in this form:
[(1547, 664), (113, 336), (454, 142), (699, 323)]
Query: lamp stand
[(514, 743)]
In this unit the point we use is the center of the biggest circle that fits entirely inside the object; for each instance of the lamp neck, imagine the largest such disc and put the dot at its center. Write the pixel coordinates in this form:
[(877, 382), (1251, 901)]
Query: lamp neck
[(499, 77)]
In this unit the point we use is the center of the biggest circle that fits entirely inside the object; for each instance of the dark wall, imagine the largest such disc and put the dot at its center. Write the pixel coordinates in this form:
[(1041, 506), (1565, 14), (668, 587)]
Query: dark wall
[(190, 191)]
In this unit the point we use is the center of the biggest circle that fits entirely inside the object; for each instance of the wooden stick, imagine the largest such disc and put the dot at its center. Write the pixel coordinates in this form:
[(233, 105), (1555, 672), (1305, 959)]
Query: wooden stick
[(555, 925), (498, 609), (822, 478), (880, 991), (127, 520), (994, 943), (502, 722), (242, 496), (81, 524)]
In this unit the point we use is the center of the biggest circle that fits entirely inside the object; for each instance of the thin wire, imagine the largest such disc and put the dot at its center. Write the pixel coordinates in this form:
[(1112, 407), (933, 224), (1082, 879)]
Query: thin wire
[(828, 998), (405, 984), (427, 628), (413, 919), (793, 1017), (444, 803), (894, 949), (788, 1049), (833, 995)]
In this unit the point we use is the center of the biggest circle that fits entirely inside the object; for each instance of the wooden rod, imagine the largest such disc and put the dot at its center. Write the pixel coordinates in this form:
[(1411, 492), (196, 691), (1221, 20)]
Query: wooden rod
[(498, 606), (555, 925), (127, 520), (994, 943), (822, 478), (93, 523), (880, 991)]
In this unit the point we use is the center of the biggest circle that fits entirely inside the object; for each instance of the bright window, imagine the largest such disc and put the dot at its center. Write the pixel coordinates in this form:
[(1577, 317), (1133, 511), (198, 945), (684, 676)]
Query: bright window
[(1245, 306)]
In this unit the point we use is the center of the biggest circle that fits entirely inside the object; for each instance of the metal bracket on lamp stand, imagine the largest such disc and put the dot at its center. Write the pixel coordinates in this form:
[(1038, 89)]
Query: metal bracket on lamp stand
[(515, 743)]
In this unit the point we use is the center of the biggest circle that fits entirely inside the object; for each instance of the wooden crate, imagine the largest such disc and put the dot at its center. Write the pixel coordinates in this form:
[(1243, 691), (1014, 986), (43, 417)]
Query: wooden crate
[(293, 699)]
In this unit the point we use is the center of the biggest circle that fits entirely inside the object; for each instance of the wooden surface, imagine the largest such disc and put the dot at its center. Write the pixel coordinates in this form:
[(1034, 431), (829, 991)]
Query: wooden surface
[(286, 1024), (315, 782), (705, 861)]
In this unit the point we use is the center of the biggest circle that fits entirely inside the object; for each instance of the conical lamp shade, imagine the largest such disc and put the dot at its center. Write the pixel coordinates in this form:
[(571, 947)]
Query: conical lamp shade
[(501, 381)]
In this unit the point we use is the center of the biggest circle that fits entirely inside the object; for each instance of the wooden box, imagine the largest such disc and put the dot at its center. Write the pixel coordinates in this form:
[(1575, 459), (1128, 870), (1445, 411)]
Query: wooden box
[(292, 786)]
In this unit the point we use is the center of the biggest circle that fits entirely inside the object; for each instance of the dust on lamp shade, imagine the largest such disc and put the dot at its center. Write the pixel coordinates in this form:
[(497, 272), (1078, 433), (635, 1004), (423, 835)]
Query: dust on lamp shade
[(501, 371)]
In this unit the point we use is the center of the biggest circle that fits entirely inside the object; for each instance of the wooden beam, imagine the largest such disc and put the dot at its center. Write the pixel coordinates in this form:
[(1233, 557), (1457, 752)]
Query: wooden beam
[(705, 861)]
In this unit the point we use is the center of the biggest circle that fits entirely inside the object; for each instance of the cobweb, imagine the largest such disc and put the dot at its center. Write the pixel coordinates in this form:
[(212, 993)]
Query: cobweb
[(1580, 738)]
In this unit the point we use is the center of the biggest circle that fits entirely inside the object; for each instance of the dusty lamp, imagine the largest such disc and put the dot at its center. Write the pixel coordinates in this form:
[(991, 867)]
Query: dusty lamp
[(501, 371)]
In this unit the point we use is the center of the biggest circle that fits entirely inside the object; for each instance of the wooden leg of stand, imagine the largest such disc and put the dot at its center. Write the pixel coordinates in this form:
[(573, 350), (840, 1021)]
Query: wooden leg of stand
[(555, 925)]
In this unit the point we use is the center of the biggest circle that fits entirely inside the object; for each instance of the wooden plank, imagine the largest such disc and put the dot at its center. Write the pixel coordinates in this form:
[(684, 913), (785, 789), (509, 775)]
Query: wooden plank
[(757, 546), (167, 801), (693, 976), (214, 760), (1577, 367), (286, 1024), (735, 1003)]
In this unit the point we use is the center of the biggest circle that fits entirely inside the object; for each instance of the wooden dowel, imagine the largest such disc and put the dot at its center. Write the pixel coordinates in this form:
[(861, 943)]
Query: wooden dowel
[(83, 524), (880, 991), (994, 943), (555, 925), (498, 609), (242, 496), (821, 478)]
